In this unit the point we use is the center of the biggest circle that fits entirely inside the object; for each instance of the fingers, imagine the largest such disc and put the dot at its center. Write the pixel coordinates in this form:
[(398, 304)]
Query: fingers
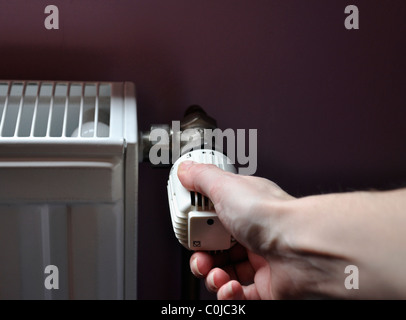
[(202, 178), (234, 266), (228, 289), (202, 262), (231, 291), (216, 279)]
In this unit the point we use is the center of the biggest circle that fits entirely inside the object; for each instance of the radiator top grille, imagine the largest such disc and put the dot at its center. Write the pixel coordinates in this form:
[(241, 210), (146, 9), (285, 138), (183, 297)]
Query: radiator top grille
[(54, 109)]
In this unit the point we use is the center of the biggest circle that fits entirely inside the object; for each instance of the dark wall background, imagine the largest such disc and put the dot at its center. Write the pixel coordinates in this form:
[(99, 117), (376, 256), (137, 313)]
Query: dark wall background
[(328, 103)]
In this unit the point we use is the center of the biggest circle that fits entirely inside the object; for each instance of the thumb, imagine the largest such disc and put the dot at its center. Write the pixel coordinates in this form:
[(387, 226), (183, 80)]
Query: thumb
[(203, 178)]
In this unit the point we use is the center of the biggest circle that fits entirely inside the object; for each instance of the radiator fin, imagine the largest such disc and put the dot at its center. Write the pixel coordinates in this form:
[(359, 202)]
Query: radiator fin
[(54, 109)]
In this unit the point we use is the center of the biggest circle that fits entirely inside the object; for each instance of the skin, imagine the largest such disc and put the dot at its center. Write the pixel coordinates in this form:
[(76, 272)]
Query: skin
[(299, 248)]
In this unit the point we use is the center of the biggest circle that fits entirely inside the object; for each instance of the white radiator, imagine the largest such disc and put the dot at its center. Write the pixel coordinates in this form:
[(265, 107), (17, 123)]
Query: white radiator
[(68, 189)]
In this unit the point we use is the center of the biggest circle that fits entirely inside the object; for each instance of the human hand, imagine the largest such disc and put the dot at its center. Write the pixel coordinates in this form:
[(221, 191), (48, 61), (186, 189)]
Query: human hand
[(242, 203), (243, 273), (300, 248), (236, 274)]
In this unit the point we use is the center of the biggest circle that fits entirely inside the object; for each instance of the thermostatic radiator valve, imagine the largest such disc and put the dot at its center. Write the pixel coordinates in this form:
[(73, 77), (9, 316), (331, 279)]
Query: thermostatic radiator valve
[(194, 220)]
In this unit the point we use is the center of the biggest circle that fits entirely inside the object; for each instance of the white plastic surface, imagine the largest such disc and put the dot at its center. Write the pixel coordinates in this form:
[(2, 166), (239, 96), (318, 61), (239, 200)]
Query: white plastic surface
[(194, 219)]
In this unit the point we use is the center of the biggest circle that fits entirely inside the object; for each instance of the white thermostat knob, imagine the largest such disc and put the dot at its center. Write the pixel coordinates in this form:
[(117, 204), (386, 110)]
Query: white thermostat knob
[(194, 219)]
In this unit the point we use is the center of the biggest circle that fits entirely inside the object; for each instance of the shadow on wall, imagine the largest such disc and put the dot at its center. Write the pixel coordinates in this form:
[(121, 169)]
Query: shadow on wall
[(149, 67), (50, 63)]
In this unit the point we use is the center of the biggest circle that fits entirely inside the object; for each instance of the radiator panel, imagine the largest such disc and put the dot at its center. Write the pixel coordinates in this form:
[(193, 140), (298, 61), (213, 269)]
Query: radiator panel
[(68, 189), (85, 242)]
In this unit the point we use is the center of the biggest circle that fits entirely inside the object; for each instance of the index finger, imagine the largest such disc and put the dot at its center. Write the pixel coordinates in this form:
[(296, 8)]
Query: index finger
[(202, 262)]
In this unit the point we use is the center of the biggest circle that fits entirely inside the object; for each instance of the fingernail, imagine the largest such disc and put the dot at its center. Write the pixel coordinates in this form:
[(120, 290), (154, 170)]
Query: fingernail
[(229, 290), (195, 270), (186, 164), (183, 166), (210, 281)]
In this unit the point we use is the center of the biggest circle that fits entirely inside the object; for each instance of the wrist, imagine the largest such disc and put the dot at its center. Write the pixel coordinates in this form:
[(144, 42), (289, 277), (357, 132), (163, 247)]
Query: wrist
[(325, 223), (319, 236)]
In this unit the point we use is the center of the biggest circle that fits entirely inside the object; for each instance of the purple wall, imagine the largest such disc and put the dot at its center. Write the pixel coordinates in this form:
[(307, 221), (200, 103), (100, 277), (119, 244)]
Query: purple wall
[(329, 104)]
